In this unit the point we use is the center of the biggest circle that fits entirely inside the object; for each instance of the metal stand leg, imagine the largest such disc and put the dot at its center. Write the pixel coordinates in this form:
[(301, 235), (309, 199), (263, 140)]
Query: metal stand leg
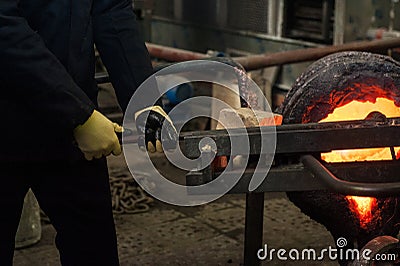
[(253, 234)]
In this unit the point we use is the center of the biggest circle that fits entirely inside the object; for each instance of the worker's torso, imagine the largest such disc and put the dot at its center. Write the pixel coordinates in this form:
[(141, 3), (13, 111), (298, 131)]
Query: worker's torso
[(65, 27)]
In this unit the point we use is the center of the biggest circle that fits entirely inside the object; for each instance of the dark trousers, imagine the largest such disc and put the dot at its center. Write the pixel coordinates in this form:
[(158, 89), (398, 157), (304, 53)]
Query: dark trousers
[(75, 196)]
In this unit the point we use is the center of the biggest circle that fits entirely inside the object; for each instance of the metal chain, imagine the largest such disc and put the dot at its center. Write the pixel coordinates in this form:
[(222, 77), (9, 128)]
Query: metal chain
[(127, 196)]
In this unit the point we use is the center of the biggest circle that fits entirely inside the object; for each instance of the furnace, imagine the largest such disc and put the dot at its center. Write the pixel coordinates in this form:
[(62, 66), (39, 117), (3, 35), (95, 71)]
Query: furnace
[(341, 87), (336, 153)]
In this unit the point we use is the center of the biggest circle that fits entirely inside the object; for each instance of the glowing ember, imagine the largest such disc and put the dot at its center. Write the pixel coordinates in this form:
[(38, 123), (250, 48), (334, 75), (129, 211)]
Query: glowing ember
[(363, 206), (356, 110)]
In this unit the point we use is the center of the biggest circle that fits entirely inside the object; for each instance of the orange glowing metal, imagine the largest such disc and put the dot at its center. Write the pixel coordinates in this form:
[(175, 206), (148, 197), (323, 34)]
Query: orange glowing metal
[(356, 110)]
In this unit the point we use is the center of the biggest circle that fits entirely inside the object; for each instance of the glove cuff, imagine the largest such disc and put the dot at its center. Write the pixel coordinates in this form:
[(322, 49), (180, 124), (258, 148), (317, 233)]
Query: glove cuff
[(155, 108)]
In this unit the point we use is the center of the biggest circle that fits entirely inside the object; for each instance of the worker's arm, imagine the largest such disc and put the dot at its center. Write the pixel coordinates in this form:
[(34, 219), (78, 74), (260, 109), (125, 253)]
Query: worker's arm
[(34, 77), (127, 60), (121, 47)]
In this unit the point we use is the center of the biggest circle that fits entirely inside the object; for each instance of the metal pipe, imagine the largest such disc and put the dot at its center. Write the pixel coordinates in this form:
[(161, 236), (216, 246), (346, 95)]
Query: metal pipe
[(347, 187), (173, 54), (254, 62)]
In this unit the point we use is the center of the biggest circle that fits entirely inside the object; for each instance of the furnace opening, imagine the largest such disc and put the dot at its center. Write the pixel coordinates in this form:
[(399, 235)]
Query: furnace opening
[(363, 207)]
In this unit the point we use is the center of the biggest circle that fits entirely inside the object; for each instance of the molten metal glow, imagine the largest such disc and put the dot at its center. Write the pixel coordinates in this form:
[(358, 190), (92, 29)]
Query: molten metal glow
[(363, 207), (355, 110)]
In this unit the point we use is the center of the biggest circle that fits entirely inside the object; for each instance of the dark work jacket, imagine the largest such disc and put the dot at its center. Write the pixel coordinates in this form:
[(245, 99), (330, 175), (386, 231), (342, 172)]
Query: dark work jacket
[(47, 70)]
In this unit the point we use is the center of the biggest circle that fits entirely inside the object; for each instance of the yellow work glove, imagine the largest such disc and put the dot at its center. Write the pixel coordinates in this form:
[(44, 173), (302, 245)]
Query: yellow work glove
[(150, 129), (96, 137)]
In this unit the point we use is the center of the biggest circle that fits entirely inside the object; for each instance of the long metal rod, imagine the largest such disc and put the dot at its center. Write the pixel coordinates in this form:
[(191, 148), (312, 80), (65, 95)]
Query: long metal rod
[(254, 62), (347, 187), (303, 138)]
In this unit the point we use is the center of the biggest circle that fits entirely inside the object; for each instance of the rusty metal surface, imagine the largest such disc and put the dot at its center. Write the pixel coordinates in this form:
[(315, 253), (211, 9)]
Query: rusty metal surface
[(309, 54), (172, 54)]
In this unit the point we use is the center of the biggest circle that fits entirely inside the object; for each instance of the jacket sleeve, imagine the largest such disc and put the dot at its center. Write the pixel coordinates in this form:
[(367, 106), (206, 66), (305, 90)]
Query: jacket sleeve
[(33, 77), (121, 47)]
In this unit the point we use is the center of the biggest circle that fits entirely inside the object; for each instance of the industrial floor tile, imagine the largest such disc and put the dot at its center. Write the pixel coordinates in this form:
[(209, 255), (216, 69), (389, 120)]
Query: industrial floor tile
[(204, 235), (210, 234)]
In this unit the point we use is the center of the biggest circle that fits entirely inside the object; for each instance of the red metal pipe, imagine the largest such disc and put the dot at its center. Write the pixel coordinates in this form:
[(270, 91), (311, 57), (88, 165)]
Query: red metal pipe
[(254, 62), (173, 54)]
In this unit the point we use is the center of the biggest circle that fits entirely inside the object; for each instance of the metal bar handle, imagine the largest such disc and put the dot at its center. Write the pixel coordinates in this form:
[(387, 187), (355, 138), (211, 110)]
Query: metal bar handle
[(348, 187)]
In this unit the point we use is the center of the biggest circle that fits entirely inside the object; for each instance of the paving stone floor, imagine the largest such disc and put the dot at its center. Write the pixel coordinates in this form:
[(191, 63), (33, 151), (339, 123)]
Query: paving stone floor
[(211, 234)]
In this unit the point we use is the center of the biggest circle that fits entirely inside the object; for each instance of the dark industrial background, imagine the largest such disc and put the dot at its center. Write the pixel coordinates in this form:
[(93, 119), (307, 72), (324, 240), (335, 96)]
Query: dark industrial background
[(213, 234)]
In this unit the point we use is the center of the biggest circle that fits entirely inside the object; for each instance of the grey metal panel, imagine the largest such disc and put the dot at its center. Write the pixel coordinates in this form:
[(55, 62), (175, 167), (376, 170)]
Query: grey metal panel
[(234, 14), (200, 39), (248, 15), (200, 12), (164, 8)]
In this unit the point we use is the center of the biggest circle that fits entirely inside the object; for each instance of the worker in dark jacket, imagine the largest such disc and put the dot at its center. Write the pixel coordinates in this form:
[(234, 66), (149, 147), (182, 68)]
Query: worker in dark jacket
[(53, 139)]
